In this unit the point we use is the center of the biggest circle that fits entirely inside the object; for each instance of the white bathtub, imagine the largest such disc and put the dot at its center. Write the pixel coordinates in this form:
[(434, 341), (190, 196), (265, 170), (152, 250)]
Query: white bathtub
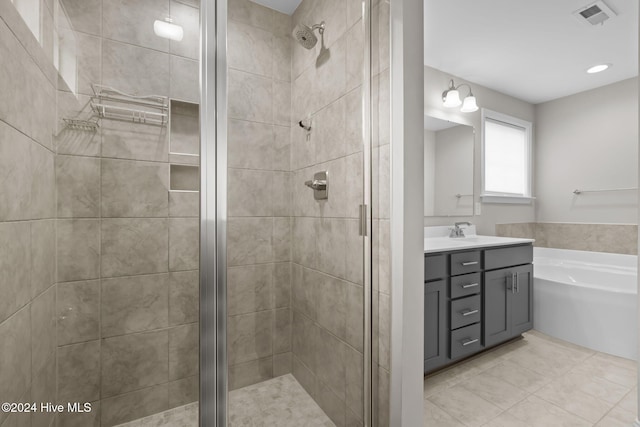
[(587, 298)]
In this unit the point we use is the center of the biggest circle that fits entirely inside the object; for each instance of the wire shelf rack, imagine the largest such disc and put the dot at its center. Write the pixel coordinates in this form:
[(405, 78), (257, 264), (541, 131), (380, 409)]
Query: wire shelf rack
[(110, 103)]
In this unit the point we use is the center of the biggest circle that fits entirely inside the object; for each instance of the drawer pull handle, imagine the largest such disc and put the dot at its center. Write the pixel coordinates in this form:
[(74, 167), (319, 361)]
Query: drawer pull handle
[(469, 313), (470, 285), (469, 342), (468, 263)]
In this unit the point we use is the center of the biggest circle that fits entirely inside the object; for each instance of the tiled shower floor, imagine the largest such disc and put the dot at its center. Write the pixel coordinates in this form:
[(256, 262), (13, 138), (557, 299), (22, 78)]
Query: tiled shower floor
[(280, 402), (182, 416)]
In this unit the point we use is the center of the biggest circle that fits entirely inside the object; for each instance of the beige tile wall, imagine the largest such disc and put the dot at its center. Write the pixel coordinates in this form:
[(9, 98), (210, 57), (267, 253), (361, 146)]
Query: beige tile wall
[(381, 200), (327, 250), (259, 194), (27, 219), (127, 248), (315, 327), (613, 238)]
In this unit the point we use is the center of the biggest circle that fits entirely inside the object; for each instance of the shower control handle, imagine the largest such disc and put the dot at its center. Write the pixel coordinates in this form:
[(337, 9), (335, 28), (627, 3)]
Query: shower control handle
[(320, 185), (317, 184)]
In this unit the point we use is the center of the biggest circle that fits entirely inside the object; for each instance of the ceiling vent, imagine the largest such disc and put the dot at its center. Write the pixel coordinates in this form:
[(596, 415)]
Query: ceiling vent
[(594, 14)]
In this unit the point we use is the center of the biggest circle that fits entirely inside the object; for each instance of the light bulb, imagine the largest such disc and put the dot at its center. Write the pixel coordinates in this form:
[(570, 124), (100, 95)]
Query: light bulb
[(452, 98), (469, 105)]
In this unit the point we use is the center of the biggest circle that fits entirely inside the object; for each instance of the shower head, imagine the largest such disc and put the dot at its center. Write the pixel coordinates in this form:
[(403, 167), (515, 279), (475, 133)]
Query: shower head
[(304, 35)]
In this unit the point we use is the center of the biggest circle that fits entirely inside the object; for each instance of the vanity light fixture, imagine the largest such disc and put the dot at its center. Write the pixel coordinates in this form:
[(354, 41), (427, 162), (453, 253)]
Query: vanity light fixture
[(451, 98), (598, 68), (168, 30)]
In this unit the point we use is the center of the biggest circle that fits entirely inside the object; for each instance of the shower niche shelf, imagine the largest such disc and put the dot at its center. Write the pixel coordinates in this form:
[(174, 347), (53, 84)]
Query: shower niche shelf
[(184, 178), (184, 131)]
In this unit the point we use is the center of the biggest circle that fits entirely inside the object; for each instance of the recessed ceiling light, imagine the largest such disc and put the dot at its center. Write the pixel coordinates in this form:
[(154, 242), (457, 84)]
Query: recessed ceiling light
[(597, 68)]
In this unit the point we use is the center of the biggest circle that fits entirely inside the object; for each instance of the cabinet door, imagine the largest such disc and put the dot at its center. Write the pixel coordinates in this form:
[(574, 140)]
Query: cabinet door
[(497, 306), (435, 324), (522, 301)]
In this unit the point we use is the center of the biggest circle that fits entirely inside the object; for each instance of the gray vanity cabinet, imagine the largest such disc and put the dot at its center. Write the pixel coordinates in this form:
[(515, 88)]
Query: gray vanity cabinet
[(435, 324), (522, 301), (475, 299), (508, 303), (497, 304)]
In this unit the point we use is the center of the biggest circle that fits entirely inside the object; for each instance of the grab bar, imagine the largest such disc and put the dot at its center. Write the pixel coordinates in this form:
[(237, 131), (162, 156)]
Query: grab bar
[(602, 190)]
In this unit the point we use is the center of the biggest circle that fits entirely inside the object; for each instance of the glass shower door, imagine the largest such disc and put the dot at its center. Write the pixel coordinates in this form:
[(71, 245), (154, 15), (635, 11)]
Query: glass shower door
[(298, 183)]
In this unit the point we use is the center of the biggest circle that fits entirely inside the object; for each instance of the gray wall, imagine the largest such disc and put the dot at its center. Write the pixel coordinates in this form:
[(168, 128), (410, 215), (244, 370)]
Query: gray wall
[(27, 220), (429, 172), (588, 141), (435, 82), (454, 149)]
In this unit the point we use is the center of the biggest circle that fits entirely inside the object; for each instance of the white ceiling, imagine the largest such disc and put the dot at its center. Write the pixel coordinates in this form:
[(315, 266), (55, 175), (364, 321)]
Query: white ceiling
[(284, 6), (534, 50)]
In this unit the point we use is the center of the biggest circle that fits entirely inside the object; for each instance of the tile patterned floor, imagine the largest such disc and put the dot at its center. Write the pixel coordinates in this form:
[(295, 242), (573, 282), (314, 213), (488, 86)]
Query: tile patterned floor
[(182, 416), (537, 381), (278, 402)]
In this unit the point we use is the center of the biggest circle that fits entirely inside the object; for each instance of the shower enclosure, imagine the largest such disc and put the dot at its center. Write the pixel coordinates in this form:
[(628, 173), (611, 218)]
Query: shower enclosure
[(99, 260), (304, 174), (195, 227)]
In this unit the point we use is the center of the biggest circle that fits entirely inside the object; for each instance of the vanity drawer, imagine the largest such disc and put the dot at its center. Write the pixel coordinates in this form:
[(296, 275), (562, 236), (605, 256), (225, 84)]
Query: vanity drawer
[(465, 341), (507, 257), (465, 262), (468, 284), (435, 267), (465, 311)]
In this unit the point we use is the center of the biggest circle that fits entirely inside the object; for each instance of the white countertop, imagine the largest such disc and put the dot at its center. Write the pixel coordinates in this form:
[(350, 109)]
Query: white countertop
[(435, 241)]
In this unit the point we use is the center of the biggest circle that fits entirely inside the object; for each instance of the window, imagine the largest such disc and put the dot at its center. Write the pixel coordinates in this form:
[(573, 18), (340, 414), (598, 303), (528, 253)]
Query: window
[(506, 158)]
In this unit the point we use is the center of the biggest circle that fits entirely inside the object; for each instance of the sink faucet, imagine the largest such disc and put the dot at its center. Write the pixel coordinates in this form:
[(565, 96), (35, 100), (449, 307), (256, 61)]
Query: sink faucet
[(456, 231)]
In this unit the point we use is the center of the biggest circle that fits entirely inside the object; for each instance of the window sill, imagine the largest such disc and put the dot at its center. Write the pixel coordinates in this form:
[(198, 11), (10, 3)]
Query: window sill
[(507, 200)]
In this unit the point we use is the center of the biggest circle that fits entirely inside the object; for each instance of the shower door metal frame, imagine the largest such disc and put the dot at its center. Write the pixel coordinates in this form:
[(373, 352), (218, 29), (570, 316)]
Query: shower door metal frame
[(214, 390), (367, 252), (213, 214)]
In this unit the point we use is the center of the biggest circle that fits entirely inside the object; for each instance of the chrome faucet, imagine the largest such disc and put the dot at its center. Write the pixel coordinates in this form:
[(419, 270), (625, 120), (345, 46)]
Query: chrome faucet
[(456, 231)]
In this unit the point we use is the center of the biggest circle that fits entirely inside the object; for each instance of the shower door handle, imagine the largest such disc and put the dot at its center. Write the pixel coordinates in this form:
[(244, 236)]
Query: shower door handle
[(363, 220)]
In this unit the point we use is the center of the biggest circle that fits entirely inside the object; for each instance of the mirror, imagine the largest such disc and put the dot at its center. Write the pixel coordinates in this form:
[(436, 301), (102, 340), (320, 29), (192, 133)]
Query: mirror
[(448, 165)]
